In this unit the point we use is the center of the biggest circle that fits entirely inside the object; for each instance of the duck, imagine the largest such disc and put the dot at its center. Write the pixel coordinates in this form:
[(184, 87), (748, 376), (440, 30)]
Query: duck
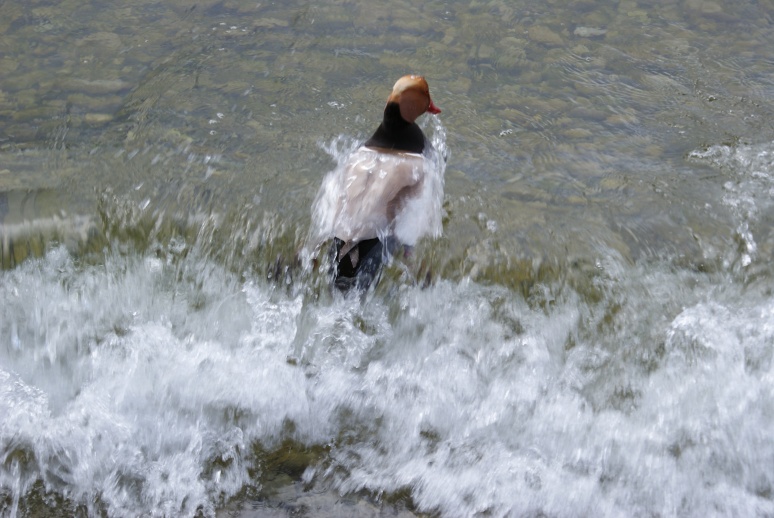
[(376, 201)]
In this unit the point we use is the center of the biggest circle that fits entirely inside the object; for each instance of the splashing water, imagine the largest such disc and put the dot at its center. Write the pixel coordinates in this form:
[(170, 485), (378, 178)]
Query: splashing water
[(421, 214), (655, 395), (748, 191), (159, 381)]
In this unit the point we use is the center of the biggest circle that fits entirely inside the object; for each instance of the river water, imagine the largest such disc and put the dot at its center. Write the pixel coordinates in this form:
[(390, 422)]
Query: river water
[(592, 335)]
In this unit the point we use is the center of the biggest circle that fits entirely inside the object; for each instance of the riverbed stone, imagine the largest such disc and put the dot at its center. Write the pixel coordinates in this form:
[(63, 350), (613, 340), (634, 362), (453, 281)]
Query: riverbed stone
[(90, 103), (459, 85), (588, 113), (7, 65), (589, 32), (102, 42), (622, 119), (11, 12), (96, 86), (5, 102), (97, 119), (268, 23), (581, 50), (544, 35), (704, 6), (449, 35), (579, 133)]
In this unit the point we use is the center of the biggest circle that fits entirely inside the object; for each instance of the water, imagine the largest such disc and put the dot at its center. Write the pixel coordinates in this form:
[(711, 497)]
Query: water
[(592, 334)]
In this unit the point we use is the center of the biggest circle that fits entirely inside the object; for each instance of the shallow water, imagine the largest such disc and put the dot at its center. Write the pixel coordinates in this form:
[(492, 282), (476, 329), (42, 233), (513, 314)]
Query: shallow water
[(592, 335)]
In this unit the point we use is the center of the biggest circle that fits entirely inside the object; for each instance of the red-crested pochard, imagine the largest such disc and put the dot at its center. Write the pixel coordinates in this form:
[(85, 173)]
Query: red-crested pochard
[(369, 202)]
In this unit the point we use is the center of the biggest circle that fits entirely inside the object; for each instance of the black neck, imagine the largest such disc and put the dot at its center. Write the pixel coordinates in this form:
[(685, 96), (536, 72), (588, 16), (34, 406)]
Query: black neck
[(397, 133)]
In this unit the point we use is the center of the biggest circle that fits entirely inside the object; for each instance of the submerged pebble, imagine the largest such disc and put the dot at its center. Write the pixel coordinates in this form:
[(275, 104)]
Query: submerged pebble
[(589, 32), (97, 118), (96, 86), (544, 35)]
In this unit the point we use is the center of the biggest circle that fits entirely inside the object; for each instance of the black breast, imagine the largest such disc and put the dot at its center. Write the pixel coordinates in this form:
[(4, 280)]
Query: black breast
[(396, 133)]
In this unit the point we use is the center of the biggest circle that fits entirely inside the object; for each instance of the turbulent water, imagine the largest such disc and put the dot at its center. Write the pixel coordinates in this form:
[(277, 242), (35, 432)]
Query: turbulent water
[(592, 334), (154, 383)]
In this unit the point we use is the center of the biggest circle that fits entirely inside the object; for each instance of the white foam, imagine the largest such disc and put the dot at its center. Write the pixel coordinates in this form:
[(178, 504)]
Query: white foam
[(146, 383)]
